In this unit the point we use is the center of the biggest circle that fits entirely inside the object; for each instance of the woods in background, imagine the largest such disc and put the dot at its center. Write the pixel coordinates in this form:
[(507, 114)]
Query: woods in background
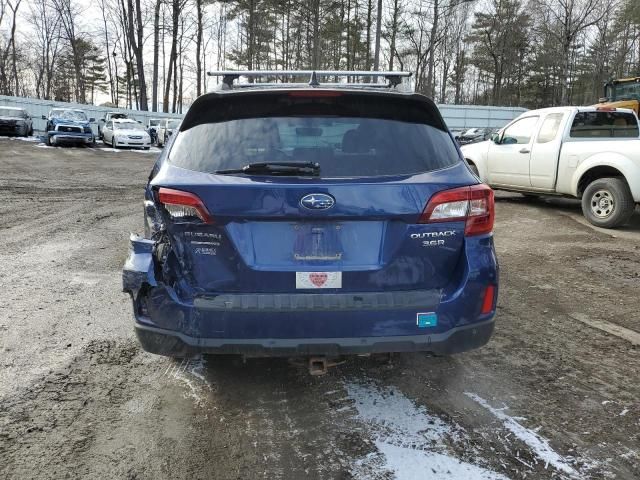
[(154, 54)]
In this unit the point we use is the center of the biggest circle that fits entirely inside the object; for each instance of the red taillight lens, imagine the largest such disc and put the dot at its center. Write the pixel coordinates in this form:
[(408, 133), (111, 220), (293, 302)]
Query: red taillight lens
[(183, 205), (474, 205), (489, 297)]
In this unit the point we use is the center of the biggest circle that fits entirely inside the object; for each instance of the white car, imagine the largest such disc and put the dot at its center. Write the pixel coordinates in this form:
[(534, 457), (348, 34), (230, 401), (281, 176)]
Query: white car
[(125, 133), (166, 129), (591, 153)]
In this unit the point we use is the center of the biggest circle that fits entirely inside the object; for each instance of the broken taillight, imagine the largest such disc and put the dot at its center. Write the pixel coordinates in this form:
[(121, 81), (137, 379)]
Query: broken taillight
[(183, 206), (473, 205)]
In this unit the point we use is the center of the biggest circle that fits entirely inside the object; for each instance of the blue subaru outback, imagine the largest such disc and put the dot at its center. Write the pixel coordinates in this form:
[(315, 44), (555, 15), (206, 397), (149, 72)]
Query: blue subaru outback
[(313, 219)]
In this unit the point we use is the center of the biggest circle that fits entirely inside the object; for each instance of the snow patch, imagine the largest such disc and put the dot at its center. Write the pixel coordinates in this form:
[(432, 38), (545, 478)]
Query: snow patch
[(27, 139), (538, 445), (410, 441)]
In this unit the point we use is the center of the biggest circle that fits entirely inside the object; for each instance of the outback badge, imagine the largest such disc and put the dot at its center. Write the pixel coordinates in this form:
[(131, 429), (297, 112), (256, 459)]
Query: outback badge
[(317, 201)]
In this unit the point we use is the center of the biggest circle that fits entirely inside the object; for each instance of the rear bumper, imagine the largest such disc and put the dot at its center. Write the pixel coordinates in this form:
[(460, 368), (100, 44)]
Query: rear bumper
[(455, 340), (314, 324)]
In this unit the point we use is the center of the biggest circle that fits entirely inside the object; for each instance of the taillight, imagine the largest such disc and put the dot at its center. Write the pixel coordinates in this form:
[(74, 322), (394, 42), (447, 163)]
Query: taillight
[(474, 205), (183, 206)]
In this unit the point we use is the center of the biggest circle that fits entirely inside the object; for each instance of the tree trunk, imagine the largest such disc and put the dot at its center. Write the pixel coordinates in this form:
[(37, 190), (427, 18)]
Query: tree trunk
[(156, 50), (376, 54), (394, 32), (13, 48), (432, 49), (136, 32), (316, 34), (172, 55), (198, 49)]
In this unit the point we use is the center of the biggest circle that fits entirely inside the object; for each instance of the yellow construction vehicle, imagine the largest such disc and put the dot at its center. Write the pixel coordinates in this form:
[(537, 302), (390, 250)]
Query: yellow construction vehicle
[(622, 93)]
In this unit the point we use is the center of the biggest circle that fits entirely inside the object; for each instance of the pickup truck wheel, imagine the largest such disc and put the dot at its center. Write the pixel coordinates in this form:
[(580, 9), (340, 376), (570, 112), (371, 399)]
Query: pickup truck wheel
[(607, 202)]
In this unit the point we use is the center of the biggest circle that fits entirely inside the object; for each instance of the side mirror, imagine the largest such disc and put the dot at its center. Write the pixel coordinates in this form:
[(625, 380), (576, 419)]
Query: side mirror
[(92, 120), (44, 117), (495, 138)]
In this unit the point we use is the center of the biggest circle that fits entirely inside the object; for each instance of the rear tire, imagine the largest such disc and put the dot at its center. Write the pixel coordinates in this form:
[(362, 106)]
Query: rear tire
[(607, 202)]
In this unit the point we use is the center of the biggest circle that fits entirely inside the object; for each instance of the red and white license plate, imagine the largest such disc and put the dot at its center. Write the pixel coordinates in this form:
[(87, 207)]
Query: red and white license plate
[(318, 279)]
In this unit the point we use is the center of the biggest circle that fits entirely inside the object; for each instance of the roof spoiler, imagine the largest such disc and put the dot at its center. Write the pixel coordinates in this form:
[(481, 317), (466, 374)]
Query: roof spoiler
[(229, 76)]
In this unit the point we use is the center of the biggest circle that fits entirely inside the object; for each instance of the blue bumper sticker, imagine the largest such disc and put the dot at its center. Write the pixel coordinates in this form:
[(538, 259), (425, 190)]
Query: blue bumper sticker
[(425, 320)]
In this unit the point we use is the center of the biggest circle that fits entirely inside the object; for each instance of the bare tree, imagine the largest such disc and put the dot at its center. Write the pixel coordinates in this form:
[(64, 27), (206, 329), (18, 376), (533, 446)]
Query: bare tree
[(567, 20)]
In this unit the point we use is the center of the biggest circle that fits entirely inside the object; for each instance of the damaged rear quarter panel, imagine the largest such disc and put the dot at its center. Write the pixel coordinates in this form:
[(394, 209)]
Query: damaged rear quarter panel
[(138, 268)]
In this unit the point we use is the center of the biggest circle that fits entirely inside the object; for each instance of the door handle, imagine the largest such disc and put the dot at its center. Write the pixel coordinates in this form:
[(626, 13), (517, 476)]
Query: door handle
[(525, 150)]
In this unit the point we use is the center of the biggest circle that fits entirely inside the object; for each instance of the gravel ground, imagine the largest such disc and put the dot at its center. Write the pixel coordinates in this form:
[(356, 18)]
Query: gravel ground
[(555, 394)]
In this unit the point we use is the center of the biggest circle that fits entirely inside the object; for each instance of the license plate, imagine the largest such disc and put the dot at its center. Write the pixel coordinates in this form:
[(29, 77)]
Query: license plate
[(318, 279)]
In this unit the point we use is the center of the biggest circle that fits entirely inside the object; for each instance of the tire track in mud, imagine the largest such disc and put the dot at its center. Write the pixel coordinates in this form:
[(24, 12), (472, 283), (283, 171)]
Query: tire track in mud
[(347, 425)]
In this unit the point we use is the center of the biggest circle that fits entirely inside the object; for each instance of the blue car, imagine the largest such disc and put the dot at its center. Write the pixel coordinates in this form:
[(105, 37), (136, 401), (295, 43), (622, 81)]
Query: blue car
[(68, 126), (313, 220)]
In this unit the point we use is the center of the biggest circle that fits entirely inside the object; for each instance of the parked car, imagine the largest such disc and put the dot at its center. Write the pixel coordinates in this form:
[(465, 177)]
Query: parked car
[(276, 225), (585, 152), (15, 121), (109, 116), (166, 129), (475, 135), (125, 133), (68, 125), (152, 129)]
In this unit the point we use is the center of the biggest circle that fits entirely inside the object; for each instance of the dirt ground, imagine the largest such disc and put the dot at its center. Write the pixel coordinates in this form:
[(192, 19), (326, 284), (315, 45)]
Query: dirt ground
[(555, 394)]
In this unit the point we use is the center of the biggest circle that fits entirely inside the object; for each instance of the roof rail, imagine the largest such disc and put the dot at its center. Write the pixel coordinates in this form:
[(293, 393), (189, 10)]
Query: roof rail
[(229, 76)]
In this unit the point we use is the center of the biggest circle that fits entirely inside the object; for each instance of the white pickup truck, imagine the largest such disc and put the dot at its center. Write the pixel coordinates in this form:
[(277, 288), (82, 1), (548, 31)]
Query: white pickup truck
[(584, 152)]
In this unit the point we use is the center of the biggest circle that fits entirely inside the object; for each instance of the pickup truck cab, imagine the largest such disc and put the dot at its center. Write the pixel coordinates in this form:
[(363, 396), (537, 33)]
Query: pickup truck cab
[(588, 153), (165, 130), (109, 116)]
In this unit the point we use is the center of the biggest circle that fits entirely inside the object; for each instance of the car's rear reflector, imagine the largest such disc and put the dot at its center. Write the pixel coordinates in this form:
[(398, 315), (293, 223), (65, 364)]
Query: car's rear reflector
[(473, 205), (183, 205), (489, 298)]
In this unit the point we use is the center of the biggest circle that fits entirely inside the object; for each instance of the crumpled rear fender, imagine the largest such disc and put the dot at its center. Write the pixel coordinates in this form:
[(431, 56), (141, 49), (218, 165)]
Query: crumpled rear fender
[(139, 268)]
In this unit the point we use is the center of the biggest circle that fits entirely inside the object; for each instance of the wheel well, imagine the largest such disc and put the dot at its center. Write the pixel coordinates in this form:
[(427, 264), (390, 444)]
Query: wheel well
[(595, 173)]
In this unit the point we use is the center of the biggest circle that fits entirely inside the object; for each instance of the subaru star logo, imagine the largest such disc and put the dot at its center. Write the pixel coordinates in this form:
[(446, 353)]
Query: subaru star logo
[(317, 201)]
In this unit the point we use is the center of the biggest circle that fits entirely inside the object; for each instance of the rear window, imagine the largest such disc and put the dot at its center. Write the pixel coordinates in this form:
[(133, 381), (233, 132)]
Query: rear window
[(604, 125), (375, 137)]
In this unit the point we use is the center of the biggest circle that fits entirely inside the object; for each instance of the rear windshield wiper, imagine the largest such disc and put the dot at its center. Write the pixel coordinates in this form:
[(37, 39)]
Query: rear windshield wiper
[(276, 168)]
